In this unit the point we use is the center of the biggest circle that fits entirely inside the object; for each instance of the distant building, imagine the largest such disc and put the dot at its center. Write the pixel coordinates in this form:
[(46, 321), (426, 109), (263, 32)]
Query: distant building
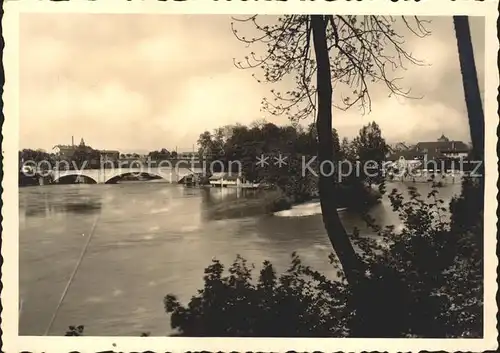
[(67, 151), (396, 149), (407, 155), (64, 150), (441, 149), (110, 155), (400, 146)]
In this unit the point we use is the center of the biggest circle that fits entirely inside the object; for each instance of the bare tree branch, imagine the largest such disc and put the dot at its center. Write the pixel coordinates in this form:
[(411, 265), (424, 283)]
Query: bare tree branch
[(364, 50)]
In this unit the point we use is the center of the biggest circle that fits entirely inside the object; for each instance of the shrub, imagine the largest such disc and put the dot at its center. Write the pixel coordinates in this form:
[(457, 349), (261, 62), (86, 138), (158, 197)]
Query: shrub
[(301, 302), (439, 285), (75, 331)]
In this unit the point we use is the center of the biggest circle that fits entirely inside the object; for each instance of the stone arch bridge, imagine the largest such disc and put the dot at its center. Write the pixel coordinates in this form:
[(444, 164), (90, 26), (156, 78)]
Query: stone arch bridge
[(109, 176)]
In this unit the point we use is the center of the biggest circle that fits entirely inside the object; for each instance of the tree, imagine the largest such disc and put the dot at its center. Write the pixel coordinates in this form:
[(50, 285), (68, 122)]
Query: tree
[(471, 87), (336, 144), (347, 149), (348, 51), (222, 134), (371, 149), (205, 144), (164, 153), (369, 144), (258, 123), (473, 101), (472, 197)]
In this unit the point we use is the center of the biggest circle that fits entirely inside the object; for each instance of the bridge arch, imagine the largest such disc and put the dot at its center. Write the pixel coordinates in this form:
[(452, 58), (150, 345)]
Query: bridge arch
[(62, 179), (115, 178)]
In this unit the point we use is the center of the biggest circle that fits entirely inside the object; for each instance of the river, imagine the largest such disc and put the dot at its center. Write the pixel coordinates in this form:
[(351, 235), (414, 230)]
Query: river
[(150, 239)]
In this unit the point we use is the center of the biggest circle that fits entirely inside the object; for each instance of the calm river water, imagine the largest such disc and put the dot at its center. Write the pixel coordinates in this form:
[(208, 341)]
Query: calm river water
[(149, 240)]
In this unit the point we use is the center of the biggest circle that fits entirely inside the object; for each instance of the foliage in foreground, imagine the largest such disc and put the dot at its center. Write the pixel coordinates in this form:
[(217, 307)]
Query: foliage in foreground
[(295, 304), (78, 331), (423, 281)]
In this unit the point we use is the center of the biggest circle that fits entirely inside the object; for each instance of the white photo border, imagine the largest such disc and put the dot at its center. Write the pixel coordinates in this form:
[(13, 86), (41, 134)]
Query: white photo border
[(10, 250)]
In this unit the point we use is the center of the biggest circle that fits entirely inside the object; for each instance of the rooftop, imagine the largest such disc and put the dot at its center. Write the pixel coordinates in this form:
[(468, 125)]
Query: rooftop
[(433, 149)]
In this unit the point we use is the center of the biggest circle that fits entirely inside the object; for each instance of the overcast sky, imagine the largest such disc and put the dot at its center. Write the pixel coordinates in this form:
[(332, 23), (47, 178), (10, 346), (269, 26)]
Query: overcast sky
[(144, 82)]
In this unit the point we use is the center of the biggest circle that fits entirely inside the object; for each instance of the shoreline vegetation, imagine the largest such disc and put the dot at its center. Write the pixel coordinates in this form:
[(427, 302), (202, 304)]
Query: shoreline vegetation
[(260, 202)]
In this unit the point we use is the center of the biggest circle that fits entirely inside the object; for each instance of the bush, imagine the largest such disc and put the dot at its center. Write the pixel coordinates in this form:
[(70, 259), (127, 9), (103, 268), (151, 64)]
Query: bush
[(439, 284), (75, 331), (425, 281), (301, 302)]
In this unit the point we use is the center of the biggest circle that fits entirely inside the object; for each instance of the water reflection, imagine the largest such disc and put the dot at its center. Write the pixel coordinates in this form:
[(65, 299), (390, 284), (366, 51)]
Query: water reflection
[(48, 203), (151, 239), (215, 194)]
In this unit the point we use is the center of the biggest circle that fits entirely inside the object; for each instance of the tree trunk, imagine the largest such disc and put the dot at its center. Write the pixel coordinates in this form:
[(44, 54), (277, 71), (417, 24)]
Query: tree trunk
[(471, 86), (337, 234), (473, 101), (475, 114), (371, 299)]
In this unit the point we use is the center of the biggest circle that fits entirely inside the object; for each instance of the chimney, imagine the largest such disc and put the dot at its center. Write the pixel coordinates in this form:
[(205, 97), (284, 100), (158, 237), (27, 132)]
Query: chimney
[(72, 141), (453, 145)]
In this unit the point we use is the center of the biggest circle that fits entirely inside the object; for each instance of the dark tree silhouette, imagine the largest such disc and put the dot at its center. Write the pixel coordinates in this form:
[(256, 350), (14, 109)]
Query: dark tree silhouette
[(348, 51), (372, 149), (472, 195), (471, 87), (473, 101)]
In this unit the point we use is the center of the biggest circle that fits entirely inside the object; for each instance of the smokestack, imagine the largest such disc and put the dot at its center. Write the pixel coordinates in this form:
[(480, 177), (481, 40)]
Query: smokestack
[(72, 141)]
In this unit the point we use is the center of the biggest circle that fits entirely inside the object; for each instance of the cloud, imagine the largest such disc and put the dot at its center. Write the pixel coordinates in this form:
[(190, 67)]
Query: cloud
[(125, 81), (206, 102)]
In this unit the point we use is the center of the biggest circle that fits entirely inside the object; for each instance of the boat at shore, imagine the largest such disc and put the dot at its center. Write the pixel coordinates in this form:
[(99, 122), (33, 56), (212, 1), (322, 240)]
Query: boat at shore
[(227, 180)]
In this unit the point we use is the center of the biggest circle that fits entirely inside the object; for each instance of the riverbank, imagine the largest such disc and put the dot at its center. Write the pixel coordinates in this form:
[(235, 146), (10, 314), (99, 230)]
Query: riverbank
[(274, 201), (255, 202), (35, 180)]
